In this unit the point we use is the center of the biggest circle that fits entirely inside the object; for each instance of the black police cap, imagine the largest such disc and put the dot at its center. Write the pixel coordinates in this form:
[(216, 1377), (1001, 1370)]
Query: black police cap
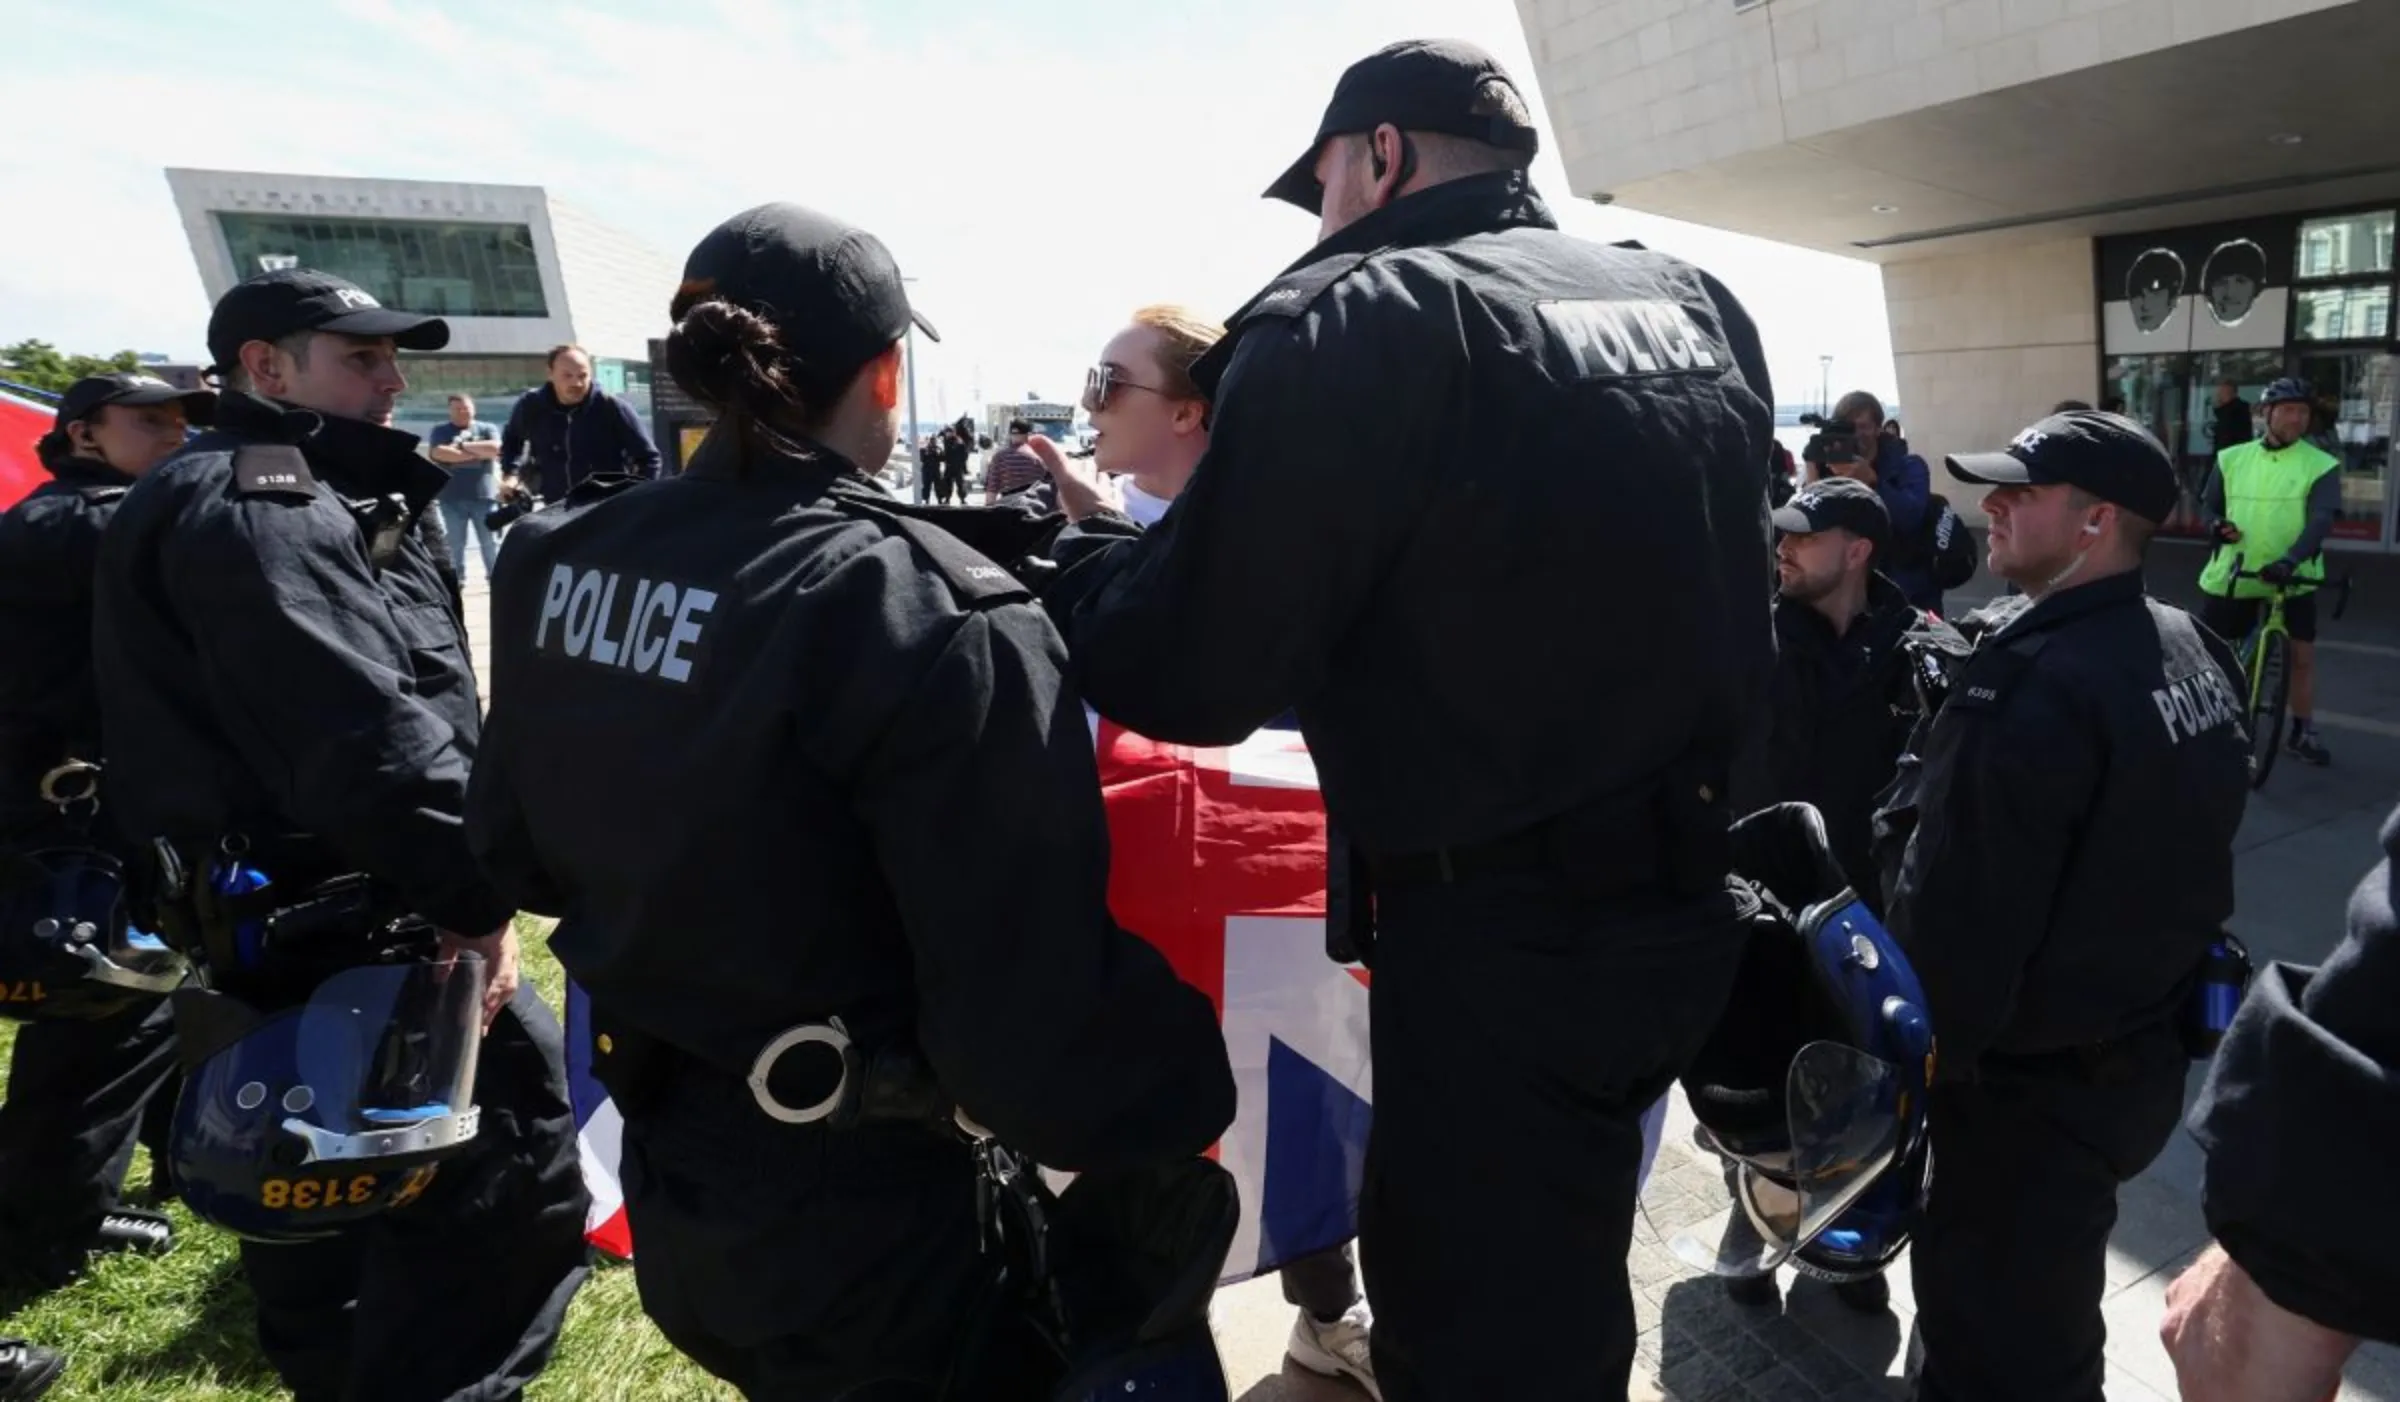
[(1438, 85), (832, 291), (93, 393), (1836, 503), (2108, 455), (274, 305)]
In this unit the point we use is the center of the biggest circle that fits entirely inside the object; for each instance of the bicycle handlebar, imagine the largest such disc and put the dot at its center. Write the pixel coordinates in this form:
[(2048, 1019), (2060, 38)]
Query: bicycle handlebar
[(2339, 588)]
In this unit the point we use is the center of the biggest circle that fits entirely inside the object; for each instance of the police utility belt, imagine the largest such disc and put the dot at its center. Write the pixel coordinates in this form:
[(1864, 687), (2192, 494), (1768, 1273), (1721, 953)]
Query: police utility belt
[(240, 907), (811, 1073), (1669, 837)]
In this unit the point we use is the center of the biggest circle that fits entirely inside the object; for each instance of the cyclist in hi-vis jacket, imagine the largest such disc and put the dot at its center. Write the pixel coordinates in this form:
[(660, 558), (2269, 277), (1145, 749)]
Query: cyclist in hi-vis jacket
[(2272, 502)]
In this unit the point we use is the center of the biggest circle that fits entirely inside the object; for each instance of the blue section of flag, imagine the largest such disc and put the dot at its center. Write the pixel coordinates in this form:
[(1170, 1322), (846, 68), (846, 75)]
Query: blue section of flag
[(1316, 1157), (583, 1088)]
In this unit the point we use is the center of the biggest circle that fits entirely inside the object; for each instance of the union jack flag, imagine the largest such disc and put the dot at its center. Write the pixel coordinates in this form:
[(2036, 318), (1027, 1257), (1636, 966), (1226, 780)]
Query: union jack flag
[(1218, 859)]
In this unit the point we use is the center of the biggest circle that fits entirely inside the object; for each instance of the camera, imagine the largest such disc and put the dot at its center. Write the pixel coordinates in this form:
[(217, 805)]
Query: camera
[(514, 507), (1835, 443)]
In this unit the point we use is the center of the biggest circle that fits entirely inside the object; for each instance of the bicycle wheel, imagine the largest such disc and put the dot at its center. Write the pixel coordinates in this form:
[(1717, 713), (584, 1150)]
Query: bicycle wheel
[(2270, 697)]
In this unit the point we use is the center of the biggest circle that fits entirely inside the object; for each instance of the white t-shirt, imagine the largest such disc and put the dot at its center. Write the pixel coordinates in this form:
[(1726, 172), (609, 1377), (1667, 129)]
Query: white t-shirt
[(1144, 508)]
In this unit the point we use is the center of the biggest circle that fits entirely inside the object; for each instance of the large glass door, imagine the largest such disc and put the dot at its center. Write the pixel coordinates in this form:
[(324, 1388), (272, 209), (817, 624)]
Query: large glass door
[(2358, 398)]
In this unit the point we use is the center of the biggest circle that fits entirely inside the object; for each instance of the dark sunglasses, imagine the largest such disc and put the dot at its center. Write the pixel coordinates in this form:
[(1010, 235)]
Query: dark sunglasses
[(1101, 381)]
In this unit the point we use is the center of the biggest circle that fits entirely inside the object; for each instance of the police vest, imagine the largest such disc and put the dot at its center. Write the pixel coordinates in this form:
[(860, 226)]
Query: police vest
[(2266, 495)]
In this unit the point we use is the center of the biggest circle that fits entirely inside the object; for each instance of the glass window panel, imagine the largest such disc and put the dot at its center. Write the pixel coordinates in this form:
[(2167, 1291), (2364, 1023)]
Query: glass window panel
[(444, 267), (2362, 313), (2357, 394), (2347, 245)]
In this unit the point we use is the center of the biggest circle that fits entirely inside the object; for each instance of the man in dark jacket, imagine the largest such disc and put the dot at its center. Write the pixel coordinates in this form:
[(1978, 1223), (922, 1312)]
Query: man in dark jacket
[(2307, 1261), (282, 671), (1377, 539), (78, 1091), (2233, 425), (1843, 696), (572, 429)]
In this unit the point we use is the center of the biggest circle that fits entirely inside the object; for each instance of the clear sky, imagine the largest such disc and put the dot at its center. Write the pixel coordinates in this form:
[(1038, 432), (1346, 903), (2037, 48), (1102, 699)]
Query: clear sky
[(1041, 167)]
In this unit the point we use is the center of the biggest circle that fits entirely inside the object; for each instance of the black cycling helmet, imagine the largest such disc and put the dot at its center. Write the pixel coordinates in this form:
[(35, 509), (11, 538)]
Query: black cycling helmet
[(2289, 390)]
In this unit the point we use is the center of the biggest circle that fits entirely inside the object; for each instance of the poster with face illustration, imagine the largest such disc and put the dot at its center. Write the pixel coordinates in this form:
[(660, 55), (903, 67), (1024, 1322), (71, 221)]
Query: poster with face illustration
[(2214, 287)]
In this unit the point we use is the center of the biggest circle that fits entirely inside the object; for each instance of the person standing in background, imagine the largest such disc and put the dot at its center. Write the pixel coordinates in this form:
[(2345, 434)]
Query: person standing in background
[(1150, 426), (572, 429), (468, 447), (2233, 425)]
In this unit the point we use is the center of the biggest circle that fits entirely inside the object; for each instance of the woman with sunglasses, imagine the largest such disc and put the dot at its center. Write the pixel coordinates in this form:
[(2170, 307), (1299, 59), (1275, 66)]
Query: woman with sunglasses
[(1150, 425), (1149, 421)]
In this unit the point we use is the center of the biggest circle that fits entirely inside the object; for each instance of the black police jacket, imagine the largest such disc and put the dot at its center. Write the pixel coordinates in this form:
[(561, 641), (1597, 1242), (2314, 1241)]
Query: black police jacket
[(280, 657), (844, 776), (1485, 502), (2301, 1119), (49, 705), (2064, 829), (1840, 713)]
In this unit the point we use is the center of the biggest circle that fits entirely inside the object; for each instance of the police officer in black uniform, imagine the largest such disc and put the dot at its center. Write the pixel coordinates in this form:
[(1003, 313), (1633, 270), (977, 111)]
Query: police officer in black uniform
[(2307, 1260), (78, 1090), (2064, 846), (1850, 678), (1436, 439), (882, 831), (284, 676)]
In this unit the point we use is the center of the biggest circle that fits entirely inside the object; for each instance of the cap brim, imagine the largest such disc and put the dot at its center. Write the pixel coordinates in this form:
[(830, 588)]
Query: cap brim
[(1791, 520), (1991, 469), (1299, 185), (923, 325), (199, 405), (408, 330)]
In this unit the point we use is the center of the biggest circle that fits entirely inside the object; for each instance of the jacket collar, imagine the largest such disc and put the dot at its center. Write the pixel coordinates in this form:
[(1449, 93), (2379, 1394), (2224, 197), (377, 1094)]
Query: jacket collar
[(2067, 605), (781, 458), (1886, 615), (1476, 204), (354, 457), (86, 472)]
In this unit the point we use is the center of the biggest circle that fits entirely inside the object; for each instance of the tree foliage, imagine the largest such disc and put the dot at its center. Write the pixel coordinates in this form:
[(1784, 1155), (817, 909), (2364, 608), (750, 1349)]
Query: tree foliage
[(44, 366)]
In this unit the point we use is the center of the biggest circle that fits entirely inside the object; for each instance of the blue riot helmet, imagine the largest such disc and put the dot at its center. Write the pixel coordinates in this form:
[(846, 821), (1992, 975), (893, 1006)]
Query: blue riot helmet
[(1812, 1087), (68, 947), (296, 1123)]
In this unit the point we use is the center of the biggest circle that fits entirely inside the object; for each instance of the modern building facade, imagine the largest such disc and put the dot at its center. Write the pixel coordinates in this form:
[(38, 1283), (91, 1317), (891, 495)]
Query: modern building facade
[(2070, 199), (514, 271)]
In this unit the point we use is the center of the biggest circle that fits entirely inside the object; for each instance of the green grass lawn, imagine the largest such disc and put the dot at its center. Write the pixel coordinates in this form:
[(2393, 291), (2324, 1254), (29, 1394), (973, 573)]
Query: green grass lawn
[(179, 1326)]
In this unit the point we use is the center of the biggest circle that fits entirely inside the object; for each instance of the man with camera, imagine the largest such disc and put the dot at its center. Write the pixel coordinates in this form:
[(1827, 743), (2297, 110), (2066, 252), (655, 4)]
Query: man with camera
[(1851, 443)]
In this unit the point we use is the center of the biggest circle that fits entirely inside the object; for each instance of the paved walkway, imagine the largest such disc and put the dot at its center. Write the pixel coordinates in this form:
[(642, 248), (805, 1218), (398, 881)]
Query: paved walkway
[(2304, 843)]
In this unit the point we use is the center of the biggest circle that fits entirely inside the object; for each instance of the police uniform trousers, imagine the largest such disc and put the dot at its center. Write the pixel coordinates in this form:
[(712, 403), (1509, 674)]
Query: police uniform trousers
[(78, 1094), (2011, 1258), (799, 1262), (461, 1294), (1520, 1030)]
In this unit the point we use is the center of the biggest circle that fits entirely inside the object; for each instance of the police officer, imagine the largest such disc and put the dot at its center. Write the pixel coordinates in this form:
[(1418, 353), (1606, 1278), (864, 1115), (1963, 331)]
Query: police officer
[(2307, 1260), (284, 677), (1847, 690), (885, 833), (2068, 828), (1850, 653), (1382, 533), (78, 1090)]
